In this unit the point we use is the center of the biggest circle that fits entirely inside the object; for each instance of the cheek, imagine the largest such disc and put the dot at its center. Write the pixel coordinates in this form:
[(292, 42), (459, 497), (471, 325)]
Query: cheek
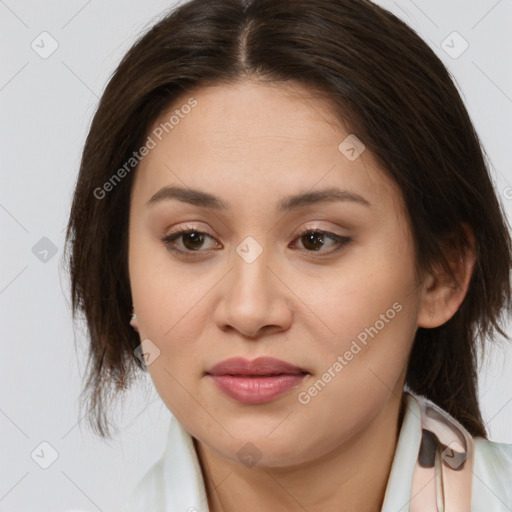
[(372, 313), (179, 367), (164, 293), (375, 290)]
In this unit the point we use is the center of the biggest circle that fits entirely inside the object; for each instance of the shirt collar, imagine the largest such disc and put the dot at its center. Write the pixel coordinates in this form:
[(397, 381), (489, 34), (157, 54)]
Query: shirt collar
[(184, 484), (398, 491)]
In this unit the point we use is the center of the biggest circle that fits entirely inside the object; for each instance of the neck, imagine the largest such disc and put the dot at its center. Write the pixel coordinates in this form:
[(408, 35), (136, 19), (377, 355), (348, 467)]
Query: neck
[(351, 477)]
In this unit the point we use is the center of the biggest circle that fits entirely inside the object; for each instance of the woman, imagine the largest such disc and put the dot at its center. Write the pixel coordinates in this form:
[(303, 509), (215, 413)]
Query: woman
[(291, 201)]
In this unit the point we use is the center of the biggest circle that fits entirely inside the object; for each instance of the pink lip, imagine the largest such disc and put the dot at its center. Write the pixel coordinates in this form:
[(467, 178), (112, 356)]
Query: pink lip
[(257, 381)]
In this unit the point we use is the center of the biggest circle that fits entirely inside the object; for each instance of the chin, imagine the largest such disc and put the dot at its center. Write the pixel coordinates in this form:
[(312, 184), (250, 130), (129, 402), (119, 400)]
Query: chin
[(258, 447)]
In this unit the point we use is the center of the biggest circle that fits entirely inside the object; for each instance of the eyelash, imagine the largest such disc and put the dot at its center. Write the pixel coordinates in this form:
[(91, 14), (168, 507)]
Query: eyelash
[(169, 240)]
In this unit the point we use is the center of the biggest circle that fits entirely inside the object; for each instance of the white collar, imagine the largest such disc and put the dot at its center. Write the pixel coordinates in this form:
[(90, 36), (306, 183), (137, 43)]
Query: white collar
[(398, 491)]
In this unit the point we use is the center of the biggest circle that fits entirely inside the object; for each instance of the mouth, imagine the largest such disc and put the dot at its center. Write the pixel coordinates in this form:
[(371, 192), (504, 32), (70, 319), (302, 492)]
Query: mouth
[(257, 375), (256, 382), (260, 367)]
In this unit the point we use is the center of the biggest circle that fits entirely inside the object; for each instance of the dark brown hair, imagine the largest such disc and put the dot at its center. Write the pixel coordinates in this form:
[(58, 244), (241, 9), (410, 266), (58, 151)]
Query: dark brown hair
[(385, 83)]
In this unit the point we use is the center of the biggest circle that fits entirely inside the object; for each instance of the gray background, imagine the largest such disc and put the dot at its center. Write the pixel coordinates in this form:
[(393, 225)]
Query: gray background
[(46, 105)]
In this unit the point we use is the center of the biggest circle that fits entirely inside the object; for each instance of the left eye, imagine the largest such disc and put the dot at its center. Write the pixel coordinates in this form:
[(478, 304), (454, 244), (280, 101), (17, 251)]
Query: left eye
[(193, 240), (314, 240)]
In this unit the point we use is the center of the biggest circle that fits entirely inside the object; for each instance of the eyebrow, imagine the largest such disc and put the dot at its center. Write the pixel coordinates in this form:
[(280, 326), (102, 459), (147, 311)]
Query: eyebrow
[(286, 204)]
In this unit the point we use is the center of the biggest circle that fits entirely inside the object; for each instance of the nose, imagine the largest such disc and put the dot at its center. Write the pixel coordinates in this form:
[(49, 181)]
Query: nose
[(255, 300)]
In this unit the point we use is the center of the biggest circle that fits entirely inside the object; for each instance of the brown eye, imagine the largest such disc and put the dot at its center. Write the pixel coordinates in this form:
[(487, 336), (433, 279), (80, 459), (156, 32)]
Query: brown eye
[(192, 240), (314, 240)]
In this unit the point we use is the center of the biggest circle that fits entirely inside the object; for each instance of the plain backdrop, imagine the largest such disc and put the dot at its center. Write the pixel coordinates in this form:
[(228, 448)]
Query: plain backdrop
[(46, 106)]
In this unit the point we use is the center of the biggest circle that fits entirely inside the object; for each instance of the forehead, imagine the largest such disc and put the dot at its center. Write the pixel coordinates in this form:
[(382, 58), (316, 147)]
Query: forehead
[(266, 140)]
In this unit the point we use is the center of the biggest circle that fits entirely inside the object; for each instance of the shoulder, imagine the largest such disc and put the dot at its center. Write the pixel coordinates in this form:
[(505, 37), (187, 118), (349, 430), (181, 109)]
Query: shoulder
[(492, 475)]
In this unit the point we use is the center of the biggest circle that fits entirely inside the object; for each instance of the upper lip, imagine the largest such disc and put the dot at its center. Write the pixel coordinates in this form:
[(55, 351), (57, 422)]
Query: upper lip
[(259, 366)]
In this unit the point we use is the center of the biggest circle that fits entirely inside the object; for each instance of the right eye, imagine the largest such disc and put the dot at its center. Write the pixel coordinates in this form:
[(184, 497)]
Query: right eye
[(192, 240)]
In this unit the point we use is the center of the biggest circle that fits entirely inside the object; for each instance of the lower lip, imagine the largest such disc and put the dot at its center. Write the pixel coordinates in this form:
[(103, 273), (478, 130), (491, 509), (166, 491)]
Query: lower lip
[(257, 390)]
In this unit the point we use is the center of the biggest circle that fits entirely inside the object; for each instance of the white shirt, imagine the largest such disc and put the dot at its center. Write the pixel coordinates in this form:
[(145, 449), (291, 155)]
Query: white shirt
[(175, 483)]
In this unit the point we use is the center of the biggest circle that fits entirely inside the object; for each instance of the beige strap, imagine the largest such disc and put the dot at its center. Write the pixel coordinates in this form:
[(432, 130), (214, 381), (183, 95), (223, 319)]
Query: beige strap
[(443, 475)]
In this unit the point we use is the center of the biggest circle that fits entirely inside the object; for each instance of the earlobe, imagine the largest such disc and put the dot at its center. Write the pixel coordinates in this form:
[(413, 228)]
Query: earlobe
[(133, 321), (442, 295)]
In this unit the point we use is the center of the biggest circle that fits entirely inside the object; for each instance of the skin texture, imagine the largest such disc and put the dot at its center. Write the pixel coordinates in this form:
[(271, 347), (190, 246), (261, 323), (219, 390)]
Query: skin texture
[(252, 145)]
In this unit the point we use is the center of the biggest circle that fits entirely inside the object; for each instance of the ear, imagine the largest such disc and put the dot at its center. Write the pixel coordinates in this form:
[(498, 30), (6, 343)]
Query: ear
[(442, 295), (134, 322)]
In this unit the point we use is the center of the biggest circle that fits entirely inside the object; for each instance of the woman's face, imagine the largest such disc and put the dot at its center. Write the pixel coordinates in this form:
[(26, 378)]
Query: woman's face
[(253, 167)]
